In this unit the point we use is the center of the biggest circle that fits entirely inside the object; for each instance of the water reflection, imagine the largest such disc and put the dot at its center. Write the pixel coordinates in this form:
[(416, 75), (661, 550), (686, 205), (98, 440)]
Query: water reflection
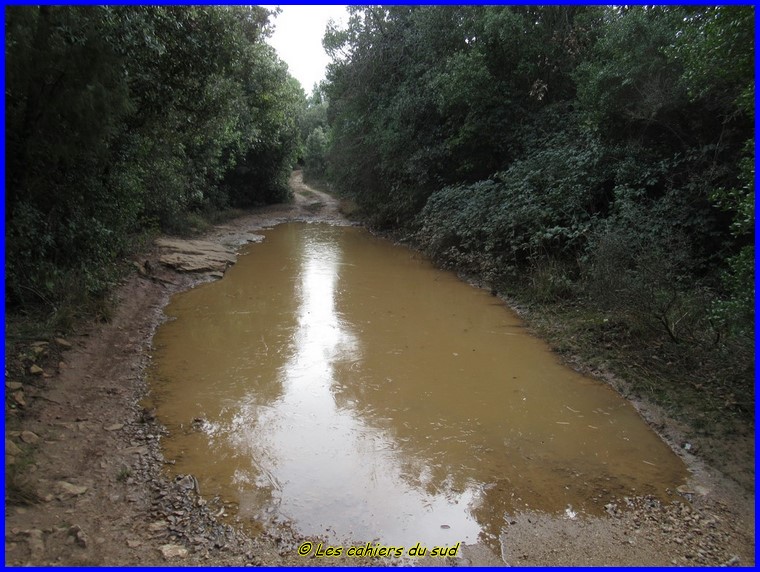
[(316, 454), (354, 389)]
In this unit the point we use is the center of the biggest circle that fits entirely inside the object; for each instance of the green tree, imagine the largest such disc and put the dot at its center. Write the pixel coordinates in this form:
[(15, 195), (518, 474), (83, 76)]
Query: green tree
[(122, 118), (66, 99), (715, 50), (422, 97)]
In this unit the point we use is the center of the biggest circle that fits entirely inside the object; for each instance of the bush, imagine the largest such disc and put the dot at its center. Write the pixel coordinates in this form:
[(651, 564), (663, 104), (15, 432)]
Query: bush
[(543, 207), (126, 118), (640, 263), (315, 162)]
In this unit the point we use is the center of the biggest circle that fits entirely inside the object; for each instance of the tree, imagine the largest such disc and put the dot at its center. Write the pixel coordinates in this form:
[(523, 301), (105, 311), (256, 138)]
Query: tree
[(423, 97), (715, 50), (599, 141), (122, 118)]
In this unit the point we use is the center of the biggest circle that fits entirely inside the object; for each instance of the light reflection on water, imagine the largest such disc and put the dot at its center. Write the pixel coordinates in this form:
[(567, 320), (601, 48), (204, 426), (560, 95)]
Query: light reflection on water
[(352, 387)]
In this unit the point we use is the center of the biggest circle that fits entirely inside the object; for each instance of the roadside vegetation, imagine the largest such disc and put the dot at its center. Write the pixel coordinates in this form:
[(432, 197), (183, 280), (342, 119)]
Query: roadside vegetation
[(126, 121), (593, 164)]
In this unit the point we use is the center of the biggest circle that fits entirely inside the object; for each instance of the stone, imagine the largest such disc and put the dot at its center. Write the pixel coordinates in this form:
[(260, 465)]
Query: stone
[(170, 551), (65, 344), (114, 427), (158, 526), (141, 270), (71, 489), (187, 482), (18, 397), (30, 438), (78, 535), (36, 544), (81, 539), (137, 449), (14, 385), (11, 448), (36, 370), (194, 255), (134, 543), (685, 490)]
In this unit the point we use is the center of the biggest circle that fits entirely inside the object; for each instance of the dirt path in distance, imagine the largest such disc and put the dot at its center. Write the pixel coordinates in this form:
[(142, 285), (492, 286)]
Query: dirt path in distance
[(86, 480)]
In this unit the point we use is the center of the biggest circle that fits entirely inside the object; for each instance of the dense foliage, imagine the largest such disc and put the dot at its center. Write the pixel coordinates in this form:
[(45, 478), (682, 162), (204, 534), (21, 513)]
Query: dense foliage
[(314, 133), (603, 155), (125, 118)]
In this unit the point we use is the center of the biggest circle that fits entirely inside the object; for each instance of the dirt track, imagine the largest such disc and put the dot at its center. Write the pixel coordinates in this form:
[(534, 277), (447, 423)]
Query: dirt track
[(102, 498)]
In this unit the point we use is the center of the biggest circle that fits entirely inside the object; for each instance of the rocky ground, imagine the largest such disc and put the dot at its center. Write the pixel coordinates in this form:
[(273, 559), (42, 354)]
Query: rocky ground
[(86, 482)]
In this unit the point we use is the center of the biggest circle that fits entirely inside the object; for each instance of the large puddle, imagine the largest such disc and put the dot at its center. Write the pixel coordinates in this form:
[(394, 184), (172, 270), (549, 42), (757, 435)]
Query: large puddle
[(350, 388)]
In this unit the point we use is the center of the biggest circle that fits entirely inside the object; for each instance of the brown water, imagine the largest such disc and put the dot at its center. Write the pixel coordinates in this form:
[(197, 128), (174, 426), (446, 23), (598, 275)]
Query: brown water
[(349, 387)]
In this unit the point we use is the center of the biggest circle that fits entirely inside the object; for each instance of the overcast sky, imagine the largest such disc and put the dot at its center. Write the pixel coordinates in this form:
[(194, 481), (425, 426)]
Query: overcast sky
[(298, 33)]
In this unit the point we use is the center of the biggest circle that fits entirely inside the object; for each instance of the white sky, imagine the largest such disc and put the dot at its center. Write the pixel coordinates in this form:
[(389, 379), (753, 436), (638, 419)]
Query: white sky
[(298, 33)]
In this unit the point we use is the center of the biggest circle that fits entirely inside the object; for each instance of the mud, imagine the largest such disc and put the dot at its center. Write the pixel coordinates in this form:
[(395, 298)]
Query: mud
[(345, 384), (92, 488)]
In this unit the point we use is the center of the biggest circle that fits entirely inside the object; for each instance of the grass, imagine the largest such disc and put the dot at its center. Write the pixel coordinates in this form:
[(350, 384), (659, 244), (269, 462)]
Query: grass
[(651, 364), (19, 491), (123, 474), (308, 194), (347, 207), (195, 223), (217, 216), (707, 392), (314, 207)]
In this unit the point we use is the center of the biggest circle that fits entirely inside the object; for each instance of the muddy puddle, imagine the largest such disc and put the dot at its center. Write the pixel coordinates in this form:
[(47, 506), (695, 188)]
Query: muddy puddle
[(342, 384)]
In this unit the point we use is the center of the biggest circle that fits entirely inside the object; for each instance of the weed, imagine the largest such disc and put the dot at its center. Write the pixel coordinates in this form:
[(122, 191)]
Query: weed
[(19, 490), (123, 474), (315, 207)]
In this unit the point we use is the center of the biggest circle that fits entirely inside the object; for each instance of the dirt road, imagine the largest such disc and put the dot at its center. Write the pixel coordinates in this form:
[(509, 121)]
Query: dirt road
[(86, 484)]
